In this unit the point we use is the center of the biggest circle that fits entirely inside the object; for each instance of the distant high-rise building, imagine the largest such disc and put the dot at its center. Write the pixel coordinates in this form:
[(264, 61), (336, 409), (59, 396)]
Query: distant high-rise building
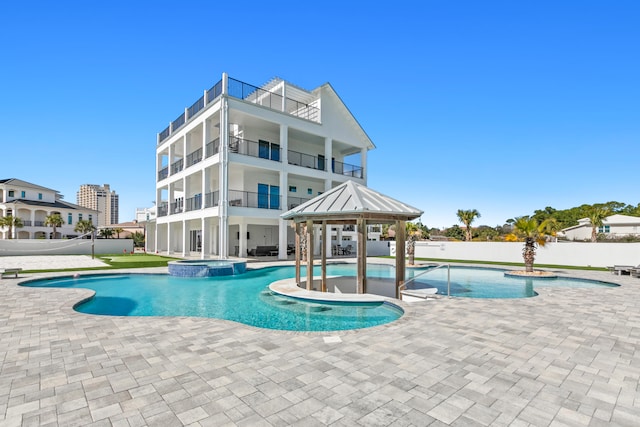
[(101, 199)]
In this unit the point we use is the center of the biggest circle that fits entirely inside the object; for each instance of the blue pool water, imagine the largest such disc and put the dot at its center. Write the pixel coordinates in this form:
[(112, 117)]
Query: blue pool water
[(480, 282), (246, 298)]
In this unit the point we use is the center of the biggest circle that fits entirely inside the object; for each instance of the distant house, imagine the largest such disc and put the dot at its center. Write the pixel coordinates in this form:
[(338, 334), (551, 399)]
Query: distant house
[(614, 226), (33, 204)]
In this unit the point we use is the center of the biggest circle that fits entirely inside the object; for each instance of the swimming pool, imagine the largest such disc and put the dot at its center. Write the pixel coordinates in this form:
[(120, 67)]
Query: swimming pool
[(242, 298), (482, 282), (245, 298)]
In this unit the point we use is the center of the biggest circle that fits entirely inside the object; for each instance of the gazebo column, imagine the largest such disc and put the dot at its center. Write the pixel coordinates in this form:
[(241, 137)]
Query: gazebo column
[(400, 262), (362, 256), (309, 254), (297, 253), (323, 252)]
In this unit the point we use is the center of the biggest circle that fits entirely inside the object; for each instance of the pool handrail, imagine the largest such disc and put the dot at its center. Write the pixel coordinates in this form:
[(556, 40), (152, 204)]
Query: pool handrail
[(403, 285)]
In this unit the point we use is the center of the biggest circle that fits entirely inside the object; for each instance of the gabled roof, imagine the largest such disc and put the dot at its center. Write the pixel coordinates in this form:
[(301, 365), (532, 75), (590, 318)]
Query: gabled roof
[(349, 201), (21, 183), (616, 219), (60, 204)]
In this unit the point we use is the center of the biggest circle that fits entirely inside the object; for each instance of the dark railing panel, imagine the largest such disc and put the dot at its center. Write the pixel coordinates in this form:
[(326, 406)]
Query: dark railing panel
[(347, 169), (249, 199), (26, 222), (177, 206), (296, 201), (194, 157), (177, 166), (177, 123), (194, 203), (214, 92), (163, 209), (195, 108), (39, 223), (307, 161), (163, 173), (212, 199), (164, 134), (212, 148), (264, 150)]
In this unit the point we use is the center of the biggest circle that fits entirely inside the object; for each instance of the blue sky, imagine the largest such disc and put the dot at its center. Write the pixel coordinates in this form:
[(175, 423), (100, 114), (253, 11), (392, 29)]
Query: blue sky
[(500, 106)]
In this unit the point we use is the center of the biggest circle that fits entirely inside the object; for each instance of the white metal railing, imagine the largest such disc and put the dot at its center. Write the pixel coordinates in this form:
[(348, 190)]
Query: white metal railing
[(404, 284)]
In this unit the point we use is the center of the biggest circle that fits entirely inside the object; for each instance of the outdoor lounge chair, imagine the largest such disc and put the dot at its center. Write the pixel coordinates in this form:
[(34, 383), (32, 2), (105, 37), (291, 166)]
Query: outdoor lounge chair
[(622, 269)]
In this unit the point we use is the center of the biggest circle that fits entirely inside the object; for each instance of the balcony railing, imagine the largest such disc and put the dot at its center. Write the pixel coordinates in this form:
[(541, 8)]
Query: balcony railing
[(212, 148), (177, 206), (248, 199), (163, 173), (249, 93), (263, 150), (212, 199), (307, 160), (194, 157), (39, 223), (163, 209), (26, 222), (177, 166), (194, 203), (296, 201), (347, 169)]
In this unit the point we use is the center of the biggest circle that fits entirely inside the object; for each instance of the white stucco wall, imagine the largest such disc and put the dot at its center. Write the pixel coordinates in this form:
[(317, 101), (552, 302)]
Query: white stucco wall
[(561, 253), (15, 247)]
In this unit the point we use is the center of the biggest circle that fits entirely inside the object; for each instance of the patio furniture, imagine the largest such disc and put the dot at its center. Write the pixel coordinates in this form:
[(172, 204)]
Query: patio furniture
[(13, 271), (622, 269)]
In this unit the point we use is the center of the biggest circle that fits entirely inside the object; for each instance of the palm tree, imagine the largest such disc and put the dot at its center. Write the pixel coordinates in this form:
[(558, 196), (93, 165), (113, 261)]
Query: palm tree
[(414, 232), (467, 217), (596, 217), (118, 230), (534, 235), (84, 226), (138, 239), (11, 222), (55, 221)]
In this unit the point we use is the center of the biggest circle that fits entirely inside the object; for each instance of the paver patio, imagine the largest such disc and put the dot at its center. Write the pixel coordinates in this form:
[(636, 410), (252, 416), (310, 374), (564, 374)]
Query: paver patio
[(568, 357)]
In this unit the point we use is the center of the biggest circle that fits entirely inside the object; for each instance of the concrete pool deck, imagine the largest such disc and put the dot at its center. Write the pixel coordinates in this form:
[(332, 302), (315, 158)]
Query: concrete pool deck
[(568, 357)]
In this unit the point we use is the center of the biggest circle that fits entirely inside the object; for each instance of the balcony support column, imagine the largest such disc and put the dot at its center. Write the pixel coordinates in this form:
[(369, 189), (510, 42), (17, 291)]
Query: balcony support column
[(363, 164), (223, 207)]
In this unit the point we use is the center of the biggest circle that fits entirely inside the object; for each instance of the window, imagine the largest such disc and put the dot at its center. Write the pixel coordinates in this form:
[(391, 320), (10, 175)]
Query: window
[(292, 189), (23, 194), (320, 162), (263, 196), (275, 152), (79, 217), (70, 219), (39, 196), (309, 190), (90, 218), (604, 229), (274, 201), (12, 193)]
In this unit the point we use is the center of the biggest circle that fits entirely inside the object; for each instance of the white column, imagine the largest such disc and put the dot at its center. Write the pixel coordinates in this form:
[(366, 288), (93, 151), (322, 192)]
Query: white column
[(185, 238), (328, 150), (224, 178), (363, 164), (242, 239)]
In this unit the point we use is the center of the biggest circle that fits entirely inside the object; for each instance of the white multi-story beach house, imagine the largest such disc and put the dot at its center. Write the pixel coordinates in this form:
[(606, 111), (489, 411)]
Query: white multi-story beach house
[(229, 165), (33, 204)]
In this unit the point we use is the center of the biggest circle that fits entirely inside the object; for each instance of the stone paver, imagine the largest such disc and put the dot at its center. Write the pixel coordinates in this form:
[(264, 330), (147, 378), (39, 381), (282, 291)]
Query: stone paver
[(568, 357)]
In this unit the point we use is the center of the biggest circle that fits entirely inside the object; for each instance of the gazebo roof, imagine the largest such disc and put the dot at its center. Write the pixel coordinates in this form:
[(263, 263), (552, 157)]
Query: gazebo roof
[(349, 201)]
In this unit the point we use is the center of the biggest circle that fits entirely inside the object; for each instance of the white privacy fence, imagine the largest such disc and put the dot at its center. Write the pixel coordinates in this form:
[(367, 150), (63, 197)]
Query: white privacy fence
[(582, 254), (17, 247)]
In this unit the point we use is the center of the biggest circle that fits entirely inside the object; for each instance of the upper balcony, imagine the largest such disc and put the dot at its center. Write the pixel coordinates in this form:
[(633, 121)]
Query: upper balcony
[(273, 95)]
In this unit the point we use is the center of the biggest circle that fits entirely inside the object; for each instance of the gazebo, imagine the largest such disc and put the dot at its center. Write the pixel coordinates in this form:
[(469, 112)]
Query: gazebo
[(349, 203)]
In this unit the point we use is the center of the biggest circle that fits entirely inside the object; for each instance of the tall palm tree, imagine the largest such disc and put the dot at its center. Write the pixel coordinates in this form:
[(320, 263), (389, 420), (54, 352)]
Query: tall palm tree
[(596, 217), (467, 217), (534, 234), (11, 222), (55, 221), (118, 230), (414, 232)]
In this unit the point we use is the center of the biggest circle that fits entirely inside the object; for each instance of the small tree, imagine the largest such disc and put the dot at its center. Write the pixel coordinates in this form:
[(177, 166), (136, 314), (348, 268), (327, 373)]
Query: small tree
[(84, 226), (467, 217), (106, 233), (534, 235), (118, 230), (138, 239), (11, 222), (596, 216), (414, 233), (55, 221)]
